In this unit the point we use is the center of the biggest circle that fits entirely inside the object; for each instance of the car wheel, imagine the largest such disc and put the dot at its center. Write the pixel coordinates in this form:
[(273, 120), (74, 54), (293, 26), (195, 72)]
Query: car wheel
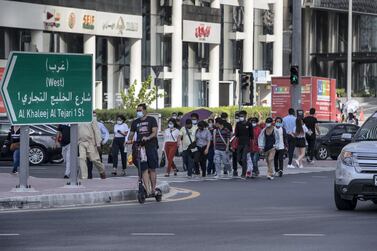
[(334, 157), (343, 205), (322, 153), (37, 155)]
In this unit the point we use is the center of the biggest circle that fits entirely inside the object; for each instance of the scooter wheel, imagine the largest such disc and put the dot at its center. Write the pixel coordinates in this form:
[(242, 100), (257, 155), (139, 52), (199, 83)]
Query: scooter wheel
[(158, 197), (141, 197)]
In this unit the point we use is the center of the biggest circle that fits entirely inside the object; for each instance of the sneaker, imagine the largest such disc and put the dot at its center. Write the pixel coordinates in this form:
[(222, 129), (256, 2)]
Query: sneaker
[(66, 177), (102, 175), (14, 172), (291, 166), (297, 162), (280, 173), (216, 176), (225, 172), (189, 177), (123, 172), (301, 166), (270, 177), (235, 174)]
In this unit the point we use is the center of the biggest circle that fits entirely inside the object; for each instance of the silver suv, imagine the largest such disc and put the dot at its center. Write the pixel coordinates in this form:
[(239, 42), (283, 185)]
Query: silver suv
[(356, 171)]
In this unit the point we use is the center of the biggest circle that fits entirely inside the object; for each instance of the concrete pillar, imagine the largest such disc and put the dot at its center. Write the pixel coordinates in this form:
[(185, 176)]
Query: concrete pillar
[(135, 63), (7, 43), (192, 91), (249, 36), (278, 34), (227, 46), (37, 40), (90, 48), (214, 68), (176, 61), (258, 46), (110, 73), (63, 48)]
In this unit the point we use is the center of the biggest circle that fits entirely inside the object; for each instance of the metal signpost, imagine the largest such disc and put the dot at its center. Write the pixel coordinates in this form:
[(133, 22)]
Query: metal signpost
[(47, 88), (296, 53)]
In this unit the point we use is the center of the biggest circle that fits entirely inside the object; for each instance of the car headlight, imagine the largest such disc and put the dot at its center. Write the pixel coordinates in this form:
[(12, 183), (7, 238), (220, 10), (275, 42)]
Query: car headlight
[(347, 158)]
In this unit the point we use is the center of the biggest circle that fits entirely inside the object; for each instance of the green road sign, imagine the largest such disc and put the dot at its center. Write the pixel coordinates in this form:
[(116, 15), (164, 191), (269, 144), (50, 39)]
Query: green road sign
[(45, 88)]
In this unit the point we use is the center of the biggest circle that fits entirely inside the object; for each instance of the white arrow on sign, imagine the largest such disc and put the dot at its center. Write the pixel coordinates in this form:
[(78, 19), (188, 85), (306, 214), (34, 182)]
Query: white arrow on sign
[(5, 87)]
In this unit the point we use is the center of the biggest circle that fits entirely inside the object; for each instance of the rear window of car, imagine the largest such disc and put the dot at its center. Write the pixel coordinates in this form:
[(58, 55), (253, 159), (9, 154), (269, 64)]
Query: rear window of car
[(324, 129)]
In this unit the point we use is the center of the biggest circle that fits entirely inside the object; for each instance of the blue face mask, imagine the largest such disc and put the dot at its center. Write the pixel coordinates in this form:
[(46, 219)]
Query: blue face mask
[(279, 124), (139, 114)]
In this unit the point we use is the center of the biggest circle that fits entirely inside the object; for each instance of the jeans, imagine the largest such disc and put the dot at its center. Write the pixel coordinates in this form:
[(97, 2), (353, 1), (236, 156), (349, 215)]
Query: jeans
[(16, 160), (242, 152), (311, 146), (211, 165), (221, 157), (118, 146), (291, 148), (279, 160), (255, 158), (66, 156), (188, 162)]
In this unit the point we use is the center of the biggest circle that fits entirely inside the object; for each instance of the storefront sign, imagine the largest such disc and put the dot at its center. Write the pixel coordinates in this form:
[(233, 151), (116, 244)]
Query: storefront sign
[(63, 19), (201, 32), (40, 88)]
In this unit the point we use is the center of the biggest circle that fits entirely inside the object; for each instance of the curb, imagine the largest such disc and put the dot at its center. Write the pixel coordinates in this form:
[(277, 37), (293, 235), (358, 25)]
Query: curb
[(73, 199)]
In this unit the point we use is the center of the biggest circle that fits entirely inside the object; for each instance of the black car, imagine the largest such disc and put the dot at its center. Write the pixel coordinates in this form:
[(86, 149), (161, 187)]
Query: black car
[(330, 142), (42, 144)]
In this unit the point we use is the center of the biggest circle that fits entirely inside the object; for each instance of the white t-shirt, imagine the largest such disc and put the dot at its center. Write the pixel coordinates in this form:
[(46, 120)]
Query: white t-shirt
[(171, 136), (123, 128)]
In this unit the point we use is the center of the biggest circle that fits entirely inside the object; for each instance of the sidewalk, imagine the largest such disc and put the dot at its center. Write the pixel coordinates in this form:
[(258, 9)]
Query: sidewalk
[(52, 193)]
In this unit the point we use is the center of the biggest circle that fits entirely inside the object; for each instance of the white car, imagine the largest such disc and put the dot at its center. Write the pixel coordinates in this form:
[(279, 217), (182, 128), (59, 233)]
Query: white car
[(356, 171)]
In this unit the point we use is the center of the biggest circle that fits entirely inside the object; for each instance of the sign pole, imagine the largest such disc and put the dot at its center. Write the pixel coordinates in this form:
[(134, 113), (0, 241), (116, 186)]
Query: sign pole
[(24, 157), (296, 54), (73, 155)]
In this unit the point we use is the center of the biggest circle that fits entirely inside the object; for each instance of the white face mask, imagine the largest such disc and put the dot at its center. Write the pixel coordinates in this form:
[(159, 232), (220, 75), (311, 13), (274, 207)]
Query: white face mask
[(119, 122), (268, 124), (242, 119), (254, 124), (194, 122), (174, 117), (170, 125), (139, 114)]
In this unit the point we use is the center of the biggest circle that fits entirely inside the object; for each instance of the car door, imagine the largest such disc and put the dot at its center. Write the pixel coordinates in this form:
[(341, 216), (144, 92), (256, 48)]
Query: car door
[(336, 142)]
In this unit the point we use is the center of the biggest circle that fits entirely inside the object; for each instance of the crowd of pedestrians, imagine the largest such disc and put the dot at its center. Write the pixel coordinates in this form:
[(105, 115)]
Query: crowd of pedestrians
[(213, 146)]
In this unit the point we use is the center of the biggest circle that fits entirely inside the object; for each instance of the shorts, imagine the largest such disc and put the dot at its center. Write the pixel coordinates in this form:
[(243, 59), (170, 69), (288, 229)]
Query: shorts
[(152, 158), (300, 142)]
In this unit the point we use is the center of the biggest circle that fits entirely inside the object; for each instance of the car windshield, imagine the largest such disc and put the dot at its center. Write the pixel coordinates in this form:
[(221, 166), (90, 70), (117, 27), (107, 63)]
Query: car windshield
[(368, 132), (324, 129)]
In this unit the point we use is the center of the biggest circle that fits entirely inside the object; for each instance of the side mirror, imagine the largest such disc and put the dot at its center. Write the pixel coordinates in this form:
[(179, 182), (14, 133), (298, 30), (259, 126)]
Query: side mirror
[(347, 136)]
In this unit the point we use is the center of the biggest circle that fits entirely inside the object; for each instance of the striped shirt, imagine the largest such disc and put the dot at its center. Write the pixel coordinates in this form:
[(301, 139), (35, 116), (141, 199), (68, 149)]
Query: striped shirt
[(220, 145)]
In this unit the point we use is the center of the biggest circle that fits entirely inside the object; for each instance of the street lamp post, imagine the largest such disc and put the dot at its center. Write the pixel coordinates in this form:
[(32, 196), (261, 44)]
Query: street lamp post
[(349, 52)]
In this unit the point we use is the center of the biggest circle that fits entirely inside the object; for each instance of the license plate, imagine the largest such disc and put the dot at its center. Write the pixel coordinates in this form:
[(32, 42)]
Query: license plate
[(375, 180)]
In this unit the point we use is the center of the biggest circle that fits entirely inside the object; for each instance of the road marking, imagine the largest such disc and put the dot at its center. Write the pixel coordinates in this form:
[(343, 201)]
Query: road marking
[(193, 195), (320, 177), (304, 235), (152, 234), (299, 182), (9, 235)]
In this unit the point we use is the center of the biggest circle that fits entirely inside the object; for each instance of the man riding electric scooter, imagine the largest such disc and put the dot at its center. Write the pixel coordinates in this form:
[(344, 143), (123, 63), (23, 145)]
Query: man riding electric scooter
[(145, 128)]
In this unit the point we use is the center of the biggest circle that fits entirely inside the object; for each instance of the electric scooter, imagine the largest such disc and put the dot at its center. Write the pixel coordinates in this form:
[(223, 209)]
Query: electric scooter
[(142, 193)]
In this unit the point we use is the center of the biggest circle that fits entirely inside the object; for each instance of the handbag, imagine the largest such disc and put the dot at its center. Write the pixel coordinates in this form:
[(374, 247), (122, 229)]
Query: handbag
[(14, 146), (163, 160), (194, 150)]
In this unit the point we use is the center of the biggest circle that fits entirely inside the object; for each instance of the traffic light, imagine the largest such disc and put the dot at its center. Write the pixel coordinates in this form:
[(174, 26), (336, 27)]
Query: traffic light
[(294, 75), (251, 88), (244, 81)]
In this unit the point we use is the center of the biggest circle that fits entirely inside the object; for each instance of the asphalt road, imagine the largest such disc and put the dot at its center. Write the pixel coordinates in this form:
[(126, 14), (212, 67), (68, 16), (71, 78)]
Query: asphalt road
[(295, 212)]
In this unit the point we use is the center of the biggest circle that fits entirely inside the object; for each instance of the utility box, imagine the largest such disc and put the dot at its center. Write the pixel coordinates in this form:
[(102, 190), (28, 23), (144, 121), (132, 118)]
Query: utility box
[(316, 92)]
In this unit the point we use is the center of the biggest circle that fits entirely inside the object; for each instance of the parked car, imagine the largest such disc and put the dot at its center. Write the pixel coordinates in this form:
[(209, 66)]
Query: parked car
[(356, 169), (330, 142), (42, 144)]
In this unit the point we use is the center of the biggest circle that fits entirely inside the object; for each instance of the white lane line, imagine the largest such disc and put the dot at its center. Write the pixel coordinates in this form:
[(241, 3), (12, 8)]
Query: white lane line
[(299, 182), (9, 235), (304, 235), (152, 234)]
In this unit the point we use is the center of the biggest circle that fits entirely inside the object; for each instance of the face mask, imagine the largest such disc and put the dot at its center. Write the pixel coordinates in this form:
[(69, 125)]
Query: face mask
[(139, 114), (119, 122), (242, 119), (268, 124), (254, 124), (210, 125), (278, 124), (194, 121), (237, 120), (171, 125), (174, 117)]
